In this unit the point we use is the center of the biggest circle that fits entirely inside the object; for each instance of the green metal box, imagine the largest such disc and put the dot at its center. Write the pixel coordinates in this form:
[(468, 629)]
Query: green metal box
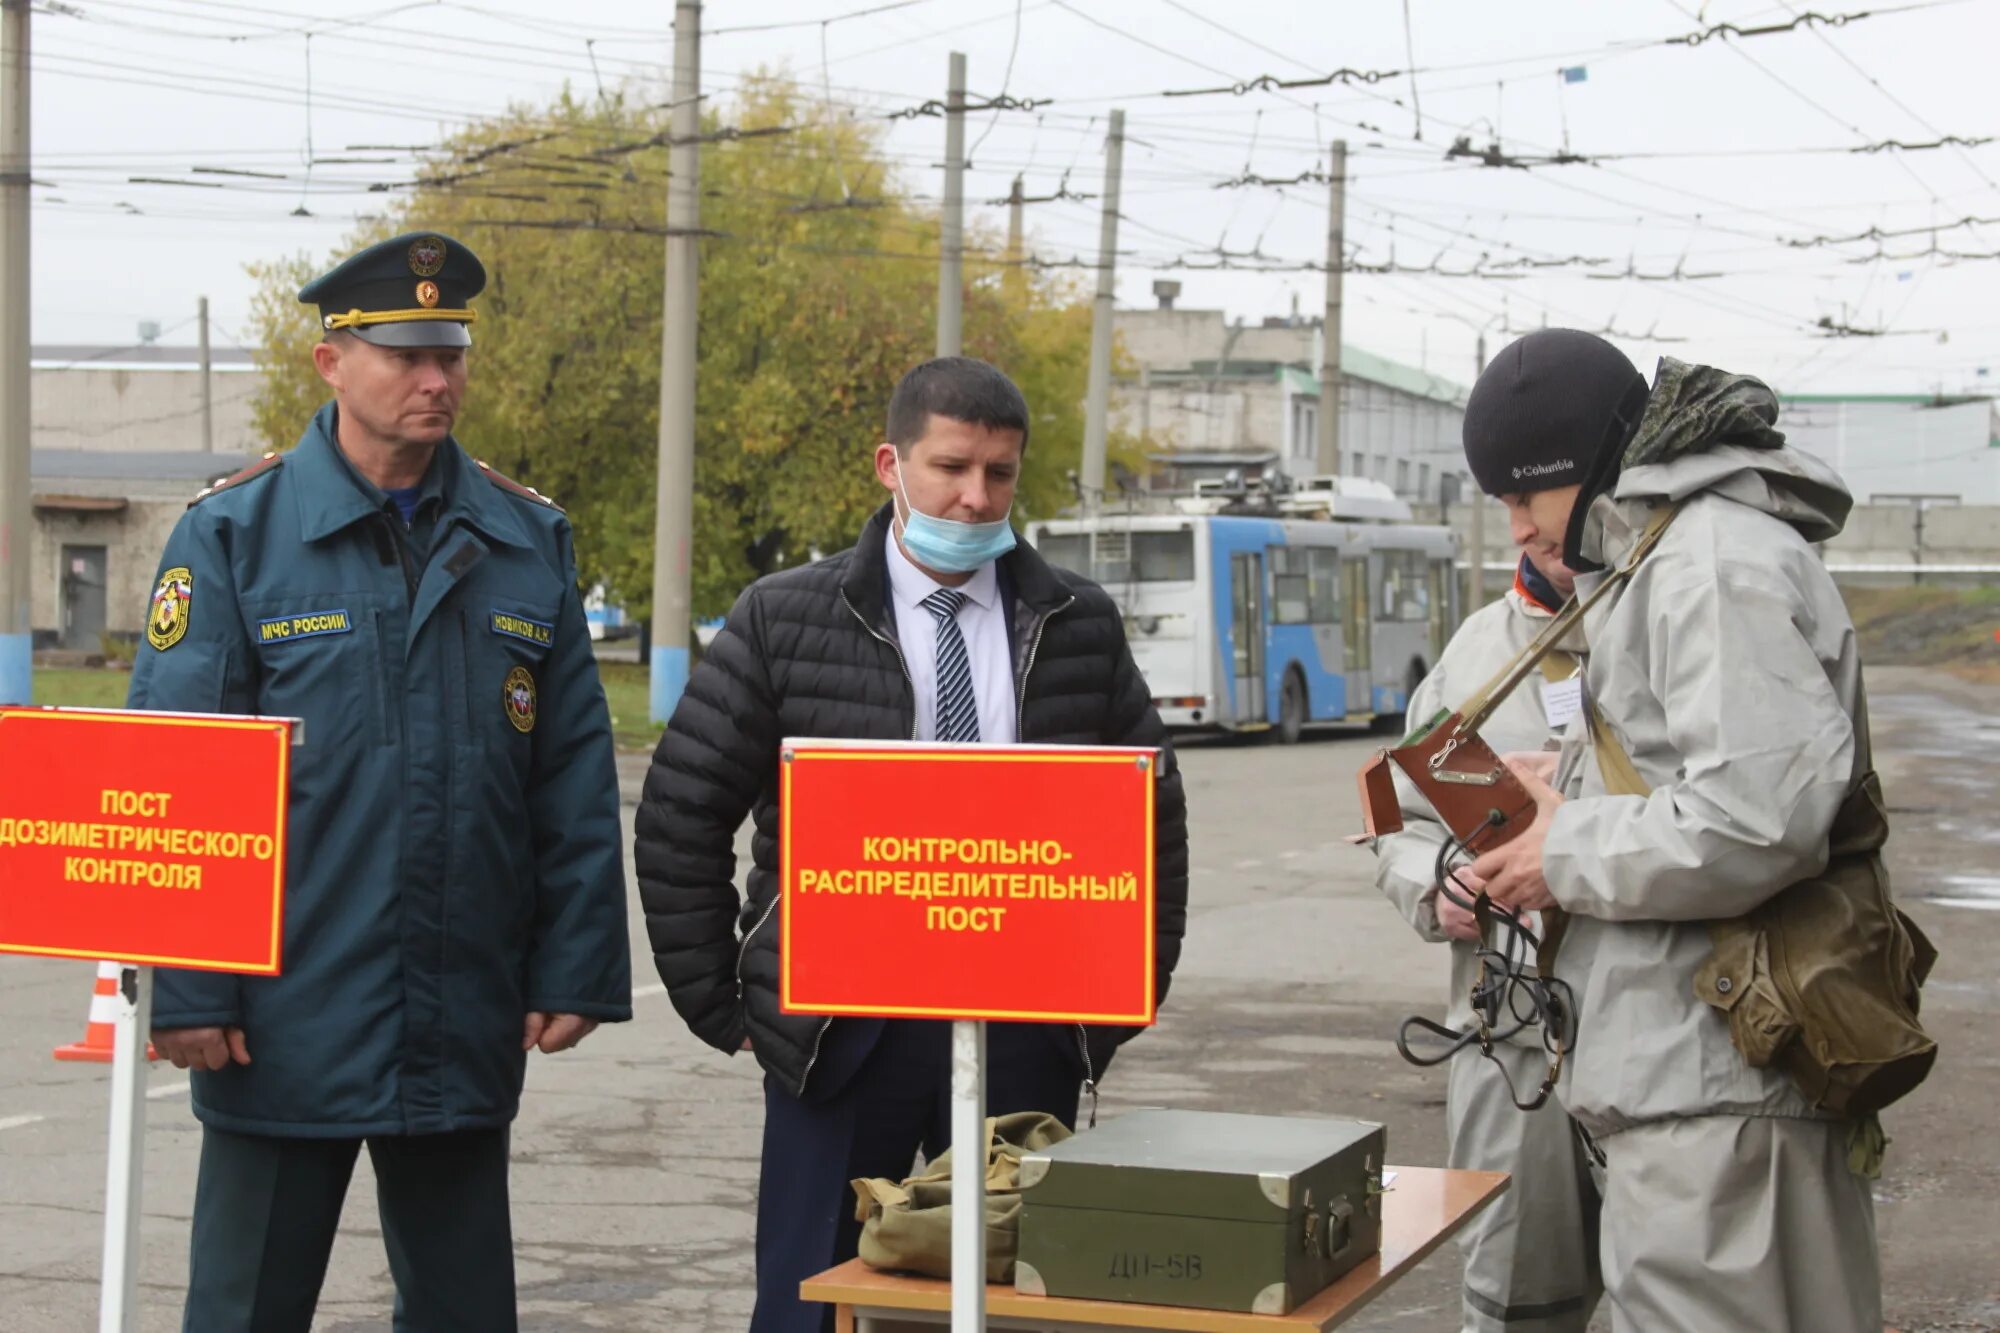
[(1219, 1212)]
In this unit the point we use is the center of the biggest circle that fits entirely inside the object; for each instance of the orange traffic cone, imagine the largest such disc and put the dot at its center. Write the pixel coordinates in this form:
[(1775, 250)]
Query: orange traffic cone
[(96, 1043)]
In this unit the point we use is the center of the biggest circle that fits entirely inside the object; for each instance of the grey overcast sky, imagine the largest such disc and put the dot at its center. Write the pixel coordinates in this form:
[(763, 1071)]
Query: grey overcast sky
[(1723, 172)]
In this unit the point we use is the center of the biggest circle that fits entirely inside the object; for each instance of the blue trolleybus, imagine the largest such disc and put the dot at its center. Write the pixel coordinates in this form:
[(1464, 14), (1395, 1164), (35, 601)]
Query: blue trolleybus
[(1244, 621)]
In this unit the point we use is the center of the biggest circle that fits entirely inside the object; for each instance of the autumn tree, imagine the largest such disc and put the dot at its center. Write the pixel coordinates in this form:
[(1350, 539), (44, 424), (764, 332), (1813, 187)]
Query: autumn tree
[(818, 290)]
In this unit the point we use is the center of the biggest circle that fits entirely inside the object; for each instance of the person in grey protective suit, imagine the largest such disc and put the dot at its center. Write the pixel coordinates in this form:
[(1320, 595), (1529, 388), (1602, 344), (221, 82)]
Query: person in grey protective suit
[(1726, 669), (1531, 1257)]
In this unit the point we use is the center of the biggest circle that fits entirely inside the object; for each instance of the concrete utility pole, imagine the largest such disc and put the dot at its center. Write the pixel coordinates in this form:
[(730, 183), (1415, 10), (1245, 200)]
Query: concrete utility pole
[(1097, 400), (1475, 593), (207, 386), (951, 235), (673, 521), (17, 657), (1015, 280), (1336, 261)]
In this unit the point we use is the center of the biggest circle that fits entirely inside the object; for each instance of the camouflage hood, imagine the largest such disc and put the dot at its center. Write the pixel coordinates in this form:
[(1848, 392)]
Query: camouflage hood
[(1705, 429), (1692, 408)]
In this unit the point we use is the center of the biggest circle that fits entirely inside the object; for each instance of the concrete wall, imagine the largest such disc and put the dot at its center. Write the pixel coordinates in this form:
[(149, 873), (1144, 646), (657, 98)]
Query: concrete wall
[(151, 409), (1902, 534), (133, 540), (1203, 415)]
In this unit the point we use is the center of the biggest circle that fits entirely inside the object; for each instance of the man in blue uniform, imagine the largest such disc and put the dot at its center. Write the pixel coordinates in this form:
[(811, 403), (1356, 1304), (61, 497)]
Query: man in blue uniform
[(454, 890)]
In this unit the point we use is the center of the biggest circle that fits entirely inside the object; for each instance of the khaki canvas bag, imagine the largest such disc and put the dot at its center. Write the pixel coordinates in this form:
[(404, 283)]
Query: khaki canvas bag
[(907, 1227)]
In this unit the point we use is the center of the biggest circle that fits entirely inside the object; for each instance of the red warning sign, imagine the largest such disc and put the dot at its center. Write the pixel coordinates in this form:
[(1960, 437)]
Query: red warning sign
[(145, 837), (956, 881)]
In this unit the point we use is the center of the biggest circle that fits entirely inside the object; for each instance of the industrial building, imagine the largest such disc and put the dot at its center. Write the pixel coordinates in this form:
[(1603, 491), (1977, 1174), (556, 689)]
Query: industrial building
[(123, 437), (1921, 449), (1217, 397)]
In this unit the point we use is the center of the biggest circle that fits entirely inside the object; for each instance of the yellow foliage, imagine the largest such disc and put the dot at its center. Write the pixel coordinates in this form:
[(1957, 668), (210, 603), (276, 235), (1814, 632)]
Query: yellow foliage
[(818, 290)]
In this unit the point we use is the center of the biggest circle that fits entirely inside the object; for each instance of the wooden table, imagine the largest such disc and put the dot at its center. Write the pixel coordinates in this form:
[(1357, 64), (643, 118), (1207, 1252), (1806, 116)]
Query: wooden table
[(1422, 1209)]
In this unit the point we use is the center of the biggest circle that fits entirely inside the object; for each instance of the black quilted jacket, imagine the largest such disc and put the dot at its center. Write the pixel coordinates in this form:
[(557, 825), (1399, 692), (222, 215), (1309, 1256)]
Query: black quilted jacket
[(811, 652)]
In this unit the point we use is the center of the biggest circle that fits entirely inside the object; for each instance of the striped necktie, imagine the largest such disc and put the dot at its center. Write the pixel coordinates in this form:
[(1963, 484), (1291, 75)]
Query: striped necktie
[(957, 708)]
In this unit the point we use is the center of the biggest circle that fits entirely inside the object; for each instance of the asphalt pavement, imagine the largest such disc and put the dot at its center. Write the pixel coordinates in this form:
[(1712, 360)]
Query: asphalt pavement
[(635, 1156)]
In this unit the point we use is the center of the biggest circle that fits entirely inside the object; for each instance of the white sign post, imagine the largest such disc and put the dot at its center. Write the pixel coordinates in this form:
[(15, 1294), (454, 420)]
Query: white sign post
[(118, 1307), (968, 1176)]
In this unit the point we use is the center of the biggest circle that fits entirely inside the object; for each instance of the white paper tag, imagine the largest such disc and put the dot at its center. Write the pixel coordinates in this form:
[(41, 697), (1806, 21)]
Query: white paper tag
[(1562, 700)]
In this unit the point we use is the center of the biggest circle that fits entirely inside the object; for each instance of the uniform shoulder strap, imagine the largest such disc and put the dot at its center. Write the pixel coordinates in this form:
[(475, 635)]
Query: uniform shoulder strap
[(513, 487), (270, 462)]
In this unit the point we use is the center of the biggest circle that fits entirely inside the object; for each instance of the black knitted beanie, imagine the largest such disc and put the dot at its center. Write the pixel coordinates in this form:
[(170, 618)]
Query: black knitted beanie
[(1546, 408)]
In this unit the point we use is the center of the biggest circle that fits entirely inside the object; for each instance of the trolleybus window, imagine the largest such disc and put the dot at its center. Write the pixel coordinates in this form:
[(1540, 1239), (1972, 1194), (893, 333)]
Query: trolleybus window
[(1406, 593), (1305, 583), (1123, 556), (1066, 550)]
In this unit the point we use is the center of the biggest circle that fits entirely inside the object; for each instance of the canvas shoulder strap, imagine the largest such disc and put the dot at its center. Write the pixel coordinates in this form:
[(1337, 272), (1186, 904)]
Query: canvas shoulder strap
[(1558, 664), (1614, 763), (1621, 778), (1481, 705)]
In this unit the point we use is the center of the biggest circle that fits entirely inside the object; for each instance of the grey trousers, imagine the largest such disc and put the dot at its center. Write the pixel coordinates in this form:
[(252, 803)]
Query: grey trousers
[(1732, 1222), (1531, 1256)]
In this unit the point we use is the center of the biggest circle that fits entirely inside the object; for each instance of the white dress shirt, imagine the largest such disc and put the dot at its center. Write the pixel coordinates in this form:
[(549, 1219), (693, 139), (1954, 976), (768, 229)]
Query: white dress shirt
[(981, 623)]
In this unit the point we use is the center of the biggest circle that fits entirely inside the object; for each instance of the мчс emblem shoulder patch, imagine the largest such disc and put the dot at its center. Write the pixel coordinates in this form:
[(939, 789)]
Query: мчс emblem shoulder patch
[(518, 697), (167, 621)]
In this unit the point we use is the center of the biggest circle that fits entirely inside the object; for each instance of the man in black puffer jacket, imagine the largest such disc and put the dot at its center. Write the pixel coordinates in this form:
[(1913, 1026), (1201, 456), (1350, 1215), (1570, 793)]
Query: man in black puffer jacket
[(1011, 650)]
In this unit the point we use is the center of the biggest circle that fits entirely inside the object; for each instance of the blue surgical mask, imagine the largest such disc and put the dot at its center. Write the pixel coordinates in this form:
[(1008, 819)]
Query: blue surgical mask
[(948, 545)]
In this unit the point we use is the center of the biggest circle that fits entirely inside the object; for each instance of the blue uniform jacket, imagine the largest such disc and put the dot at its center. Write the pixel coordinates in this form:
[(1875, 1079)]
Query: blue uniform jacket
[(454, 857)]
